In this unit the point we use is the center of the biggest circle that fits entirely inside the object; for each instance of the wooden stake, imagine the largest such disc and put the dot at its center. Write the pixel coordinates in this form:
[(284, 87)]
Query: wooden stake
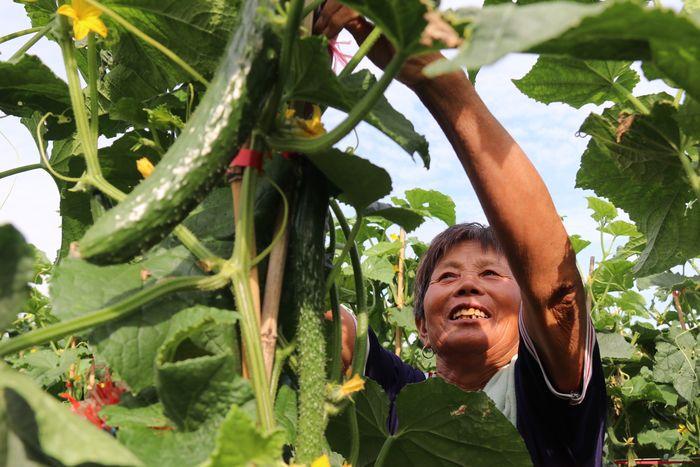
[(589, 292), (399, 289), (679, 309), (273, 293)]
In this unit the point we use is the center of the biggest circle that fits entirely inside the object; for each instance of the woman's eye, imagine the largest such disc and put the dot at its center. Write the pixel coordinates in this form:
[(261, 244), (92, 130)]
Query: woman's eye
[(445, 276), (489, 272)]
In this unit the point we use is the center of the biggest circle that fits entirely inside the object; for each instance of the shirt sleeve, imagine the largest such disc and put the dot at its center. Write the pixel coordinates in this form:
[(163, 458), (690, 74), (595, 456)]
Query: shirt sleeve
[(560, 428), (387, 369)]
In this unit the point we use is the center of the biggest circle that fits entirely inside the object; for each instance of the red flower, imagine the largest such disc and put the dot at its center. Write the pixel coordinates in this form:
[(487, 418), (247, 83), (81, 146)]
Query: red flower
[(103, 393)]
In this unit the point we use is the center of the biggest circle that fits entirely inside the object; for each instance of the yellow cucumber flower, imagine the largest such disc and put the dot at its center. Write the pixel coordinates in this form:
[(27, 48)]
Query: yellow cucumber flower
[(322, 461), (85, 18), (144, 166), (313, 126), (354, 384)]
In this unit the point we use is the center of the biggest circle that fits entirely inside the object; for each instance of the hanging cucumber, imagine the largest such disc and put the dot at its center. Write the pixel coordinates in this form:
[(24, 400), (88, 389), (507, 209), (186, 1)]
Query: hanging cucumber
[(306, 265), (221, 124)]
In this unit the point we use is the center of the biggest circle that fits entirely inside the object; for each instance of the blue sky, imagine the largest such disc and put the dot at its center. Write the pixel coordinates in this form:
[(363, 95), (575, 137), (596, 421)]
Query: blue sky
[(547, 133)]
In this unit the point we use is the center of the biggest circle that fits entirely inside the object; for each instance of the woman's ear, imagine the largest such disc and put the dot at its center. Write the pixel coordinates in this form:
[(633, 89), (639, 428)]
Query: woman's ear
[(422, 330)]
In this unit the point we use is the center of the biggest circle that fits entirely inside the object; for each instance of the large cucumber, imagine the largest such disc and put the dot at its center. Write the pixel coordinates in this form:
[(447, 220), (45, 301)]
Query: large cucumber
[(221, 123)]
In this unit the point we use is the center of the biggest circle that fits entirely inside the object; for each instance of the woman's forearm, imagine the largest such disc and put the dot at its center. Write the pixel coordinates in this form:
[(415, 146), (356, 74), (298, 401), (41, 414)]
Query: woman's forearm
[(514, 197)]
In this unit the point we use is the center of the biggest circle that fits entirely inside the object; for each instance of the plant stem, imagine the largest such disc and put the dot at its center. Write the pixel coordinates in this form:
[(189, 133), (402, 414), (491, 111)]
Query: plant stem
[(381, 457), (288, 40), (19, 170), (639, 105), (308, 9), (321, 143), (78, 103), (241, 288), (92, 87), (110, 313), (149, 40), (360, 350), (21, 33), (30, 43), (693, 177), (399, 290), (362, 52), (677, 98), (354, 434), (349, 242)]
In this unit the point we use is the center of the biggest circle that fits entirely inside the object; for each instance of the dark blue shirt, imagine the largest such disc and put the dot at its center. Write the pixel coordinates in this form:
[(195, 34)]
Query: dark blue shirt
[(556, 431)]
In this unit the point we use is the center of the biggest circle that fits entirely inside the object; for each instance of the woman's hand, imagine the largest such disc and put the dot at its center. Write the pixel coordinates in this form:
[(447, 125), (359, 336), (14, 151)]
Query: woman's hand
[(335, 16), (349, 326)]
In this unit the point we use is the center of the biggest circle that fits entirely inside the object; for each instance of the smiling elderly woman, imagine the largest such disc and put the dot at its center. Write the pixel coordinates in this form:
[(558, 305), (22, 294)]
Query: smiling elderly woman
[(502, 307)]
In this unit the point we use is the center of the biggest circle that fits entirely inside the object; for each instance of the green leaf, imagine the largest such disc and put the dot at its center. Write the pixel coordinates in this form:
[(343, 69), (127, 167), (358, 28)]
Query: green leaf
[(643, 175), (196, 31), (662, 439), (406, 218), (403, 318), (613, 275), (599, 31), (17, 259), (639, 388), (161, 118), (239, 443), (632, 302), (151, 416), (678, 366), (286, 412), (40, 12), (129, 345), (578, 243), (48, 368), (46, 426), (620, 229), (577, 82), (501, 29), (401, 21), (377, 268), (168, 447), (613, 345), (689, 117), (602, 210), (313, 80), (432, 203), (196, 368), (383, 249), (129, 110), (668, 281), (359, 181), (455, 425), (29, 86)]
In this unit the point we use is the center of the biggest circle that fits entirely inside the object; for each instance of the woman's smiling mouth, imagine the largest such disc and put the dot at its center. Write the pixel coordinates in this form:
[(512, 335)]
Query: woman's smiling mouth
[(467, 312)]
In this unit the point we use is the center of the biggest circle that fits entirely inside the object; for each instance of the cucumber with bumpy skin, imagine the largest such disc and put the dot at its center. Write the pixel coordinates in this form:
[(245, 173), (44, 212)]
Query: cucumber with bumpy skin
[(219, 126)]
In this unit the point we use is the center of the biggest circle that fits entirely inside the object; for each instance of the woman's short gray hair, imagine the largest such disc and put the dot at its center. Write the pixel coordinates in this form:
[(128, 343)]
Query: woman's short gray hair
[(472, 231)]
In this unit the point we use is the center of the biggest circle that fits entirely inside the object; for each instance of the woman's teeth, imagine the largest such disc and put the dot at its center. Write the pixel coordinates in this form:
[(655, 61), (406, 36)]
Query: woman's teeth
[(469, 313)]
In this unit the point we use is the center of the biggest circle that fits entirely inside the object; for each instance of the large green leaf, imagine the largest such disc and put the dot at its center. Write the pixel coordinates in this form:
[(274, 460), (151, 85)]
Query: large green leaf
[(240, 443), (662, 439), (359, 181), (599, 31), (130, 344), (689, 117), (29, 86), (401, 21), (47, 367), (642, 174), (197, 366), (48, 429), (455, 426), (17, 259), (313, 80), (577, 82), (195, 30)]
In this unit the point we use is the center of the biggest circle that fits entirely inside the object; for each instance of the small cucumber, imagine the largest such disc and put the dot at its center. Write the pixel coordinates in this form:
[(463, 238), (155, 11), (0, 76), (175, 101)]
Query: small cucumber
[(219, 126)]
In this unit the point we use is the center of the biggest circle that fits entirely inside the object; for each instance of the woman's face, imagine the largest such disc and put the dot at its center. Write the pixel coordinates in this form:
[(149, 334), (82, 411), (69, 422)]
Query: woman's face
[(471, 305)]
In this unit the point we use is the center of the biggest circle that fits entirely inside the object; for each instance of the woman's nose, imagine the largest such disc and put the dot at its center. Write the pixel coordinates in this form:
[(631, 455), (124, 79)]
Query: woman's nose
[(468, 285)]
